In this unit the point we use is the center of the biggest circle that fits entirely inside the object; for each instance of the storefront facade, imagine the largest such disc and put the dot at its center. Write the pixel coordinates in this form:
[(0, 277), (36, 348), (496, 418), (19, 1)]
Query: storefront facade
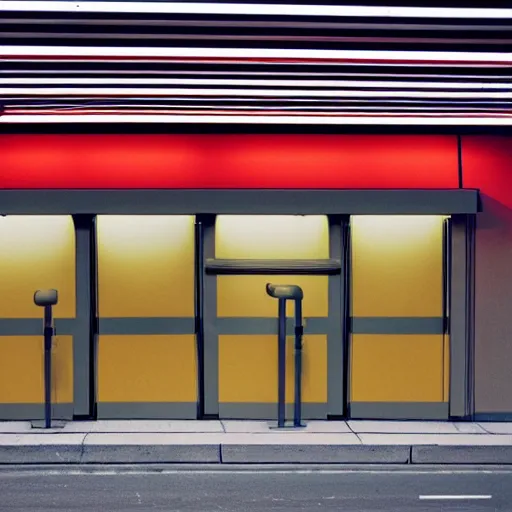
[(160, 246)]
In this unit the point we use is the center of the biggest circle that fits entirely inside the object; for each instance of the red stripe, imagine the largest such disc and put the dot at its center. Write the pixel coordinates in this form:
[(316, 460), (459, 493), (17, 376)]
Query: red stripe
[(227, 161), (255, 113), (259, 59)]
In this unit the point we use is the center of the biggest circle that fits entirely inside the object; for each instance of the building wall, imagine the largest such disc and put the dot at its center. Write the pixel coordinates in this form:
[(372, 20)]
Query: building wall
[(487, 165), (307, 161)]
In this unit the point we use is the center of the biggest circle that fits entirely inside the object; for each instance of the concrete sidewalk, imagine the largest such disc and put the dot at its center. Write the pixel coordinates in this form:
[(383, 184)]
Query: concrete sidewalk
[(256, 442)]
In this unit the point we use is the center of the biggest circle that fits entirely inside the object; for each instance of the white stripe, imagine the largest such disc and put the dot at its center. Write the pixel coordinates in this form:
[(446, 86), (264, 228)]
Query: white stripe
[(153, 109), (291, 120), (282, 93), (456, 497), (276, 63), (256, 9), (254, 83), (252, 53), (203, 101), (221, 471), (234, 73)]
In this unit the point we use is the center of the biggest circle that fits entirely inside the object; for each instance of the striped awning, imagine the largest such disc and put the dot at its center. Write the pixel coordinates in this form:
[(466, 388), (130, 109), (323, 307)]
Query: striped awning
[(297, 63)]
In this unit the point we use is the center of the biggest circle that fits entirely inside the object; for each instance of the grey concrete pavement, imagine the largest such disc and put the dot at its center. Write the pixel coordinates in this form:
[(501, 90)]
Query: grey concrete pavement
[(253, 442), (258, 490)]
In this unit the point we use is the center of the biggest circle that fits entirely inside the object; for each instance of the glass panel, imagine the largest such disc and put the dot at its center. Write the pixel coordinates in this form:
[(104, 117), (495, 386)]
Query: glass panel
[(249, 369), (36, 252), (397, 368), (146, 266), (246, 296), (397, 266), (271, 237), (21, 369), (139, 368)]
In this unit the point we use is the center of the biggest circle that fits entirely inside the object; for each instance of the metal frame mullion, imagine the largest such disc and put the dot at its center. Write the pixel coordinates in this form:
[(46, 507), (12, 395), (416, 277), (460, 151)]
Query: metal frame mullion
[(210, 407), (336, 335), (462, 317), (83, 374), (199, 310)]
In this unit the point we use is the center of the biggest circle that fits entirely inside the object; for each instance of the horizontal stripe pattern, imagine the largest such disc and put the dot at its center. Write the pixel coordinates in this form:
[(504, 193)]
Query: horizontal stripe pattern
[(146, 326), (225, 325), (268, 411), (34, 326), (35, 411), (397, 325), (291, 267), (399, 410), (262, 326), (147, 410), (247, 60)]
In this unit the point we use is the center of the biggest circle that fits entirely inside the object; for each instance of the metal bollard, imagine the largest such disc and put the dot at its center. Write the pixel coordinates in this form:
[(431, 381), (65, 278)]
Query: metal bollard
[(299, 331), (281, 364), (284, 293), (47, 299)]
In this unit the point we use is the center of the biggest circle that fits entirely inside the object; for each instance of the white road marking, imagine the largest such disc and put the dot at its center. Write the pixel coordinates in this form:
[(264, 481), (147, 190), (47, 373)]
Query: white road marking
[(128, 472), (456, 497)]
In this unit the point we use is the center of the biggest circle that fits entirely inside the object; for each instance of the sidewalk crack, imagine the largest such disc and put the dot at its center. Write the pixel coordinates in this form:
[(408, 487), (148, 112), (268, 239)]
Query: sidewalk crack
[(354, 432), (82, 447), (223, 426), (484, 429)]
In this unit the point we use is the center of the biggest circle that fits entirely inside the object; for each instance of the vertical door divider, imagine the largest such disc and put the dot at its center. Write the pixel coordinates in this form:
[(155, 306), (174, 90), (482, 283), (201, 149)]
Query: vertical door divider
[(346, 313), (199, 310), (94, 317), (210, 406), (83, 335)]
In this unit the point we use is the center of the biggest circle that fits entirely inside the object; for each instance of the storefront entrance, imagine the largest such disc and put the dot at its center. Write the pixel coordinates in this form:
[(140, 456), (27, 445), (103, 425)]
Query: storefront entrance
[(399, 347), (166, 315), (251, 251), (146, 345)]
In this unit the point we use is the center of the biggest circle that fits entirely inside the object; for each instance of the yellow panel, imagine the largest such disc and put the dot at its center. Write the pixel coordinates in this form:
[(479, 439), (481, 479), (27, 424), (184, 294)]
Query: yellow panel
[(446, 372), (397, 368), (245, 296), (314, 368), (62, 369), (146, 266), (22, 369), (36, 252), (397, 265), (138, 368), (271, 237), (248, 369)]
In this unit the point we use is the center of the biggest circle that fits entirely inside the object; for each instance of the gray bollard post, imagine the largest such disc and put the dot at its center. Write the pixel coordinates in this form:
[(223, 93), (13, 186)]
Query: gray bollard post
[(281, 364), (47, 299), (284, 293), (299, 330)]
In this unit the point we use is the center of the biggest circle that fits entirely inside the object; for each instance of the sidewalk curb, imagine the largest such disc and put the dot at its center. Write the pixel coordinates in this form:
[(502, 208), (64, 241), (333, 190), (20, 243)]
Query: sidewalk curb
[(253, 454), (438, 454), (314, 454), (150, 454), (41, 454)]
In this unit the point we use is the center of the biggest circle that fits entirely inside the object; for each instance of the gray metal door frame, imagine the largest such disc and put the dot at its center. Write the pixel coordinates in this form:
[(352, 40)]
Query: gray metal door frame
[(457, 322), (333, 325), (83, 205)]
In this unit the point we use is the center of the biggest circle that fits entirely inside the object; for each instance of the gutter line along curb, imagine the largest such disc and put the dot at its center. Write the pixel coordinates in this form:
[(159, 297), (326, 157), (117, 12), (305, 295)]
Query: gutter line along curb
[(247, 454)]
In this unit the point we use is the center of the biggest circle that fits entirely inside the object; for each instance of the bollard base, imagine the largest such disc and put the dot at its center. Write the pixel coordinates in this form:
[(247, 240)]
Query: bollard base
[(42, 424), (288, 425)]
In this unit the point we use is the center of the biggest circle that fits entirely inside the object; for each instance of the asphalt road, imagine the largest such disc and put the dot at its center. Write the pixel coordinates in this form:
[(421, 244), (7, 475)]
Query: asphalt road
[(391, 490)]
